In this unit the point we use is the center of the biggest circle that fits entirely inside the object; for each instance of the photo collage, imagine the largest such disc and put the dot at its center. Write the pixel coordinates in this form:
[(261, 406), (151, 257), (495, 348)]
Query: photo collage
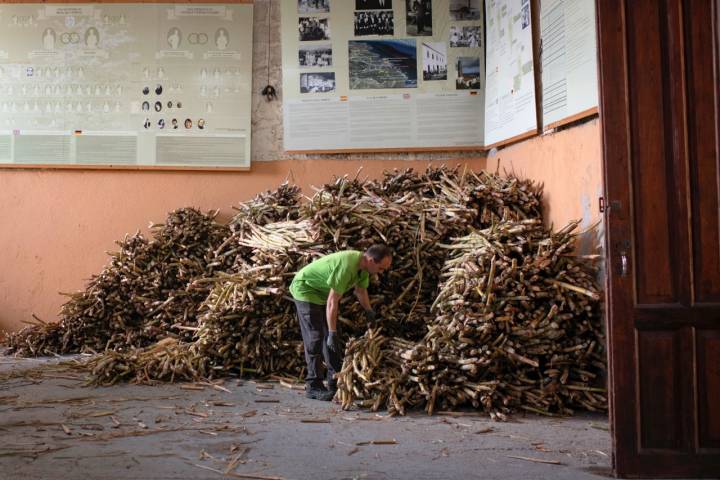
[(315, 55), (386, 63)]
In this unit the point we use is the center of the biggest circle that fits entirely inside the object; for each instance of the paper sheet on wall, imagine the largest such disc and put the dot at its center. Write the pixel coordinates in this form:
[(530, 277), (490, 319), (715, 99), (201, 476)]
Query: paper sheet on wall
[(126, 84), (374, 74), (510, 82), (569, 58)]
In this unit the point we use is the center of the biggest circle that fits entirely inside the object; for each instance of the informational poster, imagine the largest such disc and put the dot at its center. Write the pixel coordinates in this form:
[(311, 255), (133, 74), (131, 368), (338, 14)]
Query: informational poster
[(510, 109), (569, 59), (378, 74), (126, 84)]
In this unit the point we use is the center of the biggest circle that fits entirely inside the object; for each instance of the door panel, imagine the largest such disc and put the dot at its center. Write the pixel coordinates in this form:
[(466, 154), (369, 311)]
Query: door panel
[(703, 140), (647, 120), (660, 412), (660, 113), (708, 347)]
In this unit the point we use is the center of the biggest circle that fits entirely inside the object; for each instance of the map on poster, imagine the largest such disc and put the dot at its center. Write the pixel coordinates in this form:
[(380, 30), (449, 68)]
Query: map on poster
[(569, 59), (379, 74), (510, 109), (126, 84)]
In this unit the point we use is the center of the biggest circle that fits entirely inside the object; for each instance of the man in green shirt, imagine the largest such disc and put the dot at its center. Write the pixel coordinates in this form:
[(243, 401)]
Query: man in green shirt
[(317, 289)]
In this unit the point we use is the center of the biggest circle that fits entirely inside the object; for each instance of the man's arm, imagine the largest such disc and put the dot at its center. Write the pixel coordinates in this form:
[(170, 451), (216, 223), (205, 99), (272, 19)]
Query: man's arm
[(362, 296), (331, 310)]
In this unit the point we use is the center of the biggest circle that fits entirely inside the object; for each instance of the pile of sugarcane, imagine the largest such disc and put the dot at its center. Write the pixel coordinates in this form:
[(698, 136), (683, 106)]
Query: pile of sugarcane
[(372, 374), (518, 326), (140, 295), (167, 360), (482, 307)]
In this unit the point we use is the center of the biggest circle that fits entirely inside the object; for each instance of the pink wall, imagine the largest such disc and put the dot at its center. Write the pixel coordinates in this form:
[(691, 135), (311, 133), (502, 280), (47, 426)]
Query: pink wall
[(569, 163), (56, 225)]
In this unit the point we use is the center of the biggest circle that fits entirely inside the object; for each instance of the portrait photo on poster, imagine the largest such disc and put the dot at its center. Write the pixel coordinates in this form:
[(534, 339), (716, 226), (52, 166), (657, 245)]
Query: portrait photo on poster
[(92, 38), (48, 39), (174, 38), (465, 9), (317, 82), (315, 55), (418, 18), (313, 28), (222, 38), (383, 64), (434, 56), (378, 22)]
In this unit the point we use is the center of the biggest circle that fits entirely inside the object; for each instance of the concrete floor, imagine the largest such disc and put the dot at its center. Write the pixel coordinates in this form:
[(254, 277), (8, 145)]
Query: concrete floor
[(53, 427)]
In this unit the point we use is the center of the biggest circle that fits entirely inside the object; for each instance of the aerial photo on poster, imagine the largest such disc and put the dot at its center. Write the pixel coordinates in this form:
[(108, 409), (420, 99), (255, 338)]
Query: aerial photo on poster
[(383, 64)]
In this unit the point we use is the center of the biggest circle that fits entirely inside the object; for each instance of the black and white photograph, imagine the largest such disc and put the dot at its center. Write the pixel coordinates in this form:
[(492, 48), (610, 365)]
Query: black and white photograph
[(313, 6), (222, 38), (467, 37), (372, 4), (92, 38), (434, 61), (418, 18), (378, 22), (525, 16), (313, 28), (465, 9), (174, 38), (48, 39), (317, 82), (383, 64), (315, 55), (468, 73)]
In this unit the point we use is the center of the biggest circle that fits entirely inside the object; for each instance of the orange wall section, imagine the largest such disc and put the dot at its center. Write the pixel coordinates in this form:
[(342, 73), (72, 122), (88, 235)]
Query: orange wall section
[(56, 225), (569, 164)]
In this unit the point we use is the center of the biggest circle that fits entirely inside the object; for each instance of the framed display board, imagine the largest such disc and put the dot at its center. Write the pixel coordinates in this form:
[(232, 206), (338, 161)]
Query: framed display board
[(569, 61), (510, 103), (123, 85), (383, 74)]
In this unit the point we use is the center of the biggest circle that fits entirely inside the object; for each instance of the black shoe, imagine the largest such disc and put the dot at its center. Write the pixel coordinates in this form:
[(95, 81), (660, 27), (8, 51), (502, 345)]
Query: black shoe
[(319, 394)]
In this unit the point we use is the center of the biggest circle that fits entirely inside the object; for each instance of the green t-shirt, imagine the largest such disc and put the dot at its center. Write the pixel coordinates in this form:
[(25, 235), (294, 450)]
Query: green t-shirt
[(338, 271)]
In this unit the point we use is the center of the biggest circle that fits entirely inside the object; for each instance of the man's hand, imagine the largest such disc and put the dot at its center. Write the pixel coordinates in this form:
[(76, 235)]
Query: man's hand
[(370, 315), (333, 342)]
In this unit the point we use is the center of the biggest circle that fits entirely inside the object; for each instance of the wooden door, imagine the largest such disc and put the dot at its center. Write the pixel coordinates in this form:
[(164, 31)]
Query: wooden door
[(660, 115)]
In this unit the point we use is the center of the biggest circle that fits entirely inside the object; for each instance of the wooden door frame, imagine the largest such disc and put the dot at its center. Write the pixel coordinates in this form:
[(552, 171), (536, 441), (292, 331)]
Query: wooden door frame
[(613, 102)]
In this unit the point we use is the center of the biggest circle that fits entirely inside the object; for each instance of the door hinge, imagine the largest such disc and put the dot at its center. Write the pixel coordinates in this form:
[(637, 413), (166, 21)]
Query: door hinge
[(601, 204)]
